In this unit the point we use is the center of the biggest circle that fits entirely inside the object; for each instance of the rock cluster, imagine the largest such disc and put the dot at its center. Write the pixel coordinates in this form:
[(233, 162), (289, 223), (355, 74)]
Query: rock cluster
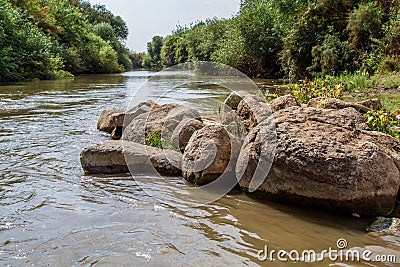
[(320, 155)]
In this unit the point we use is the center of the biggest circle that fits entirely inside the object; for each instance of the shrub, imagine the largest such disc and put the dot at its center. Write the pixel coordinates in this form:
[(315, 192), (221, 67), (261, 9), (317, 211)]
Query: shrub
[(307, 90), (382, 121)]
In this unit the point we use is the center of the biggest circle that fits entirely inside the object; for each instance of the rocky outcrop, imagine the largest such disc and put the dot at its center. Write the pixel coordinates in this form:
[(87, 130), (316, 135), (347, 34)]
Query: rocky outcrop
[(162, 119), (211, 153), (110, 119), (334, 103), (324, 158), (114, 157)]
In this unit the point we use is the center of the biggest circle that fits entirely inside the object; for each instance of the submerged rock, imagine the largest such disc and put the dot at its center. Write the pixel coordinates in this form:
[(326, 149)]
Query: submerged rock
[(210, 153), (113, 157), (324, 158)]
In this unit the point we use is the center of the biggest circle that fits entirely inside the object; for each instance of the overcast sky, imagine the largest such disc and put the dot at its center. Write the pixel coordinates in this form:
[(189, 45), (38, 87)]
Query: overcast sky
[(146, 18)]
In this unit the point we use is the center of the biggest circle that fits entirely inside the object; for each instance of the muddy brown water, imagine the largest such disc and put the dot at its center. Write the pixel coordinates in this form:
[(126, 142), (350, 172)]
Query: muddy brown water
[(53, 215)]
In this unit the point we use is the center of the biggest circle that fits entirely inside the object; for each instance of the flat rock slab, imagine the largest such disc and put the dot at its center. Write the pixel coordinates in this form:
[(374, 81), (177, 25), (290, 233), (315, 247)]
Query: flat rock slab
[(114, 157)]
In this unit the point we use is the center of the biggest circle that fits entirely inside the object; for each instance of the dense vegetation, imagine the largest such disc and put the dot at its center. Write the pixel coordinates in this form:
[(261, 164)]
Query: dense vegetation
[(291, 38), (49, 39)]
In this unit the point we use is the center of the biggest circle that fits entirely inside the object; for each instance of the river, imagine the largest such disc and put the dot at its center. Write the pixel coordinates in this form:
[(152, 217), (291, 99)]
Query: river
[(53, 215)]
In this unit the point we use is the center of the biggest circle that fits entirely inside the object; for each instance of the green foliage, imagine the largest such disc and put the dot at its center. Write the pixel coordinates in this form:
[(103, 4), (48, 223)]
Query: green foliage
[(49, 39), (154, 139), (382, 121), (307, 90), (152, 60), (137, 60), (365, 24), (26, 52)]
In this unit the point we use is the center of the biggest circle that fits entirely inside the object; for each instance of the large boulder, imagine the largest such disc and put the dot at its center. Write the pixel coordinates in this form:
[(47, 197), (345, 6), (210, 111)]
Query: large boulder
[(114, 157), (110, 119), (162, 119), (211, 152), (324, 158)]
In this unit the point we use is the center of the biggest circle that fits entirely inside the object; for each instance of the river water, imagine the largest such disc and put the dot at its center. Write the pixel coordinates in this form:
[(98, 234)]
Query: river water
[(53, 215)]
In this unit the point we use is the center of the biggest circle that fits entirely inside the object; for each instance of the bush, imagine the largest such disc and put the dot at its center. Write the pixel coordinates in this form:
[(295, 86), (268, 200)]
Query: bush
[(306, 90), (382, 121)]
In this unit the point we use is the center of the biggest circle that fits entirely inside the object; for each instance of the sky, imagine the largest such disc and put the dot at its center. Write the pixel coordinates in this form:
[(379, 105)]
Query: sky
[(146, 18)]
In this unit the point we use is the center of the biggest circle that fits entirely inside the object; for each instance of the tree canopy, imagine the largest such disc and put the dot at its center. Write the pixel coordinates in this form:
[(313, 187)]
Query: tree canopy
[(49, 39), (294, 38)]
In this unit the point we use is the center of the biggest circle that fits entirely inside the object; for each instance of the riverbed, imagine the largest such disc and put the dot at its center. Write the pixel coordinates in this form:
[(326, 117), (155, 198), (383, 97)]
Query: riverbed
[(51, 214)]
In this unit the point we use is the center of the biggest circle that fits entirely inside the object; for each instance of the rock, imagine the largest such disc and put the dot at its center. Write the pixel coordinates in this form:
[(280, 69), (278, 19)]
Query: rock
[(374, 104), (109, 158), (283, 102), (324, 159), (109, 119), (385, 225), (210, 153), (233, 100), (252, 111), (234, 125), (334, 103), (184, 131), (162, 119), (138, 110)]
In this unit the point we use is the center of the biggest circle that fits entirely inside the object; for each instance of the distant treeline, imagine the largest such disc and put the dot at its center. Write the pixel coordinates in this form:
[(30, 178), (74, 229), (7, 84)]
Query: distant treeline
[(50, 39), (291, 38)]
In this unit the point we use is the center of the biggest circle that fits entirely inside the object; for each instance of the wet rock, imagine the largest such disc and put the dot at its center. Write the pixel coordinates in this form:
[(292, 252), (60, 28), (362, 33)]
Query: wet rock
[(283, 102), (385, 225), (325, 159), (109, 119), (184, 131), (113, 157), (208, 155)]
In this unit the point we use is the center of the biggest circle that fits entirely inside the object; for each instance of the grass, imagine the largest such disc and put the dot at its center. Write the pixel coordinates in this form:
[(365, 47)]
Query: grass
[(154, 139)]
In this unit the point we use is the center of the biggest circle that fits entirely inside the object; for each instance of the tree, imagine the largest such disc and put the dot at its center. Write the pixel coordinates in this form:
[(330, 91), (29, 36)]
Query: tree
[(153, 57)]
